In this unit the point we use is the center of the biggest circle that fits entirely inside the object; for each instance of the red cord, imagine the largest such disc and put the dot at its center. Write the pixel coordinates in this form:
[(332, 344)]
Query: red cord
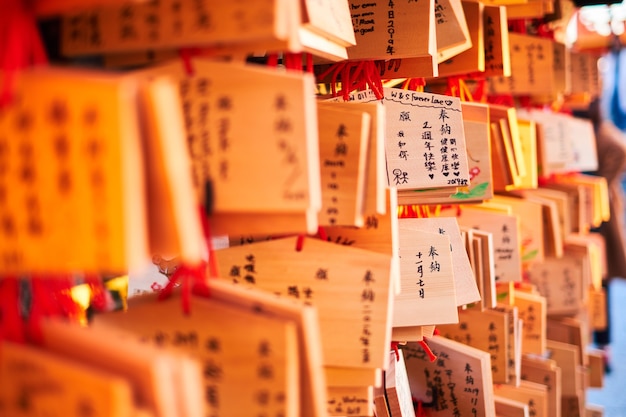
[(299, 243), (394, 347), (431, 356)]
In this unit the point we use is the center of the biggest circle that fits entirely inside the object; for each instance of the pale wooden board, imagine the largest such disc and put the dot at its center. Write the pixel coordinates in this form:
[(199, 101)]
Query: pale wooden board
[(466, 367), (330, 18), (544, 371), (473, 59), (464, 281), (488, 276), (533, 394), (343, 142), (532, 63), (531, 226), (397, 387), (506, 407), (374, 41), (427, 293), (172, 24), (376, 182), (497, 45), (566, 357), (350, 401), (263, 355), (477, 136), (485, 330), (528, 140), (174, 224), (411, 118), (532, 310), (150, 370), (287, 178), (312, 377), (47, 383), (451, 28), (506, 240), (350, 287), (514, 347), (407, 333), (561, 281), (572, 331), (75, 203)]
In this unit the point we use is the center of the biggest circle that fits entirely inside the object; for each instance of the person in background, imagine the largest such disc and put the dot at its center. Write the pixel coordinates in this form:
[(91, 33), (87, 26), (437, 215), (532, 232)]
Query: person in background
[(611, 148)]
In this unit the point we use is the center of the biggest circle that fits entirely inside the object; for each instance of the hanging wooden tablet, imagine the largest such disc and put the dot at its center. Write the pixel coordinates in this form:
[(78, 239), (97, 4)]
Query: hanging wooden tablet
[(381, 409), (286, 179), (571, 331), (428, 294), (497, 49), (343, 140), (506, 240), (506, 407), (305, 317), (74, 201), (544, 371), (566, 357), (598, 309), (476, 128), (484, 240), (503, 174), (473, 59), (451, 29), (350, 287), (532, 68), (531, 226), (533, 394), (151, 371), (174, 24), (458, 381), (269, 380), (174, 227), (464, 281), (485, 330), (376, 176), (397, 387), (561, 282), (425, 141), (528, 140), (563, 210), (594, 410), (531, 9), (581, 72), (507, 119), (595, 359), (36, 383), (514, 345), (329, 18), (575, 195), (351, 401), (532, 310), (387, 30)]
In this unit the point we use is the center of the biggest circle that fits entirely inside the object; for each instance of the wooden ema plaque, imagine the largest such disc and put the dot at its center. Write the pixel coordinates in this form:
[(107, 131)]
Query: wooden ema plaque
[(71, 175), (458, 381), (255, 368)]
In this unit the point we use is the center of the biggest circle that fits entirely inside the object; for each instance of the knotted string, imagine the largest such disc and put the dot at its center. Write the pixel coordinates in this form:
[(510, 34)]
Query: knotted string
[(353, 76)]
